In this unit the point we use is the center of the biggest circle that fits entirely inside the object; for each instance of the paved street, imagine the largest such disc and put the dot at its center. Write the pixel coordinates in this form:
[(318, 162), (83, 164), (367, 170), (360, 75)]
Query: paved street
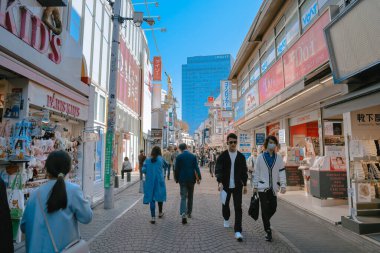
[(127, 228)]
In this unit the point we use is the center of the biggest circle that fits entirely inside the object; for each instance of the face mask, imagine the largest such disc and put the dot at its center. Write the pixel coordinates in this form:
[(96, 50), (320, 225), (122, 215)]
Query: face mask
[(271, 146)]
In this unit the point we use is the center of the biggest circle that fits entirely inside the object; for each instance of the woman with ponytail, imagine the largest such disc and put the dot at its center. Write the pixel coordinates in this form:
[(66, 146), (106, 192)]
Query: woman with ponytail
[(63, 205)]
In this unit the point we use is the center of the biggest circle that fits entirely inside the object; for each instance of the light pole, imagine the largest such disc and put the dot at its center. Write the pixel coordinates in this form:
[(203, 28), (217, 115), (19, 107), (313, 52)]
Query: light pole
[(117, 20)]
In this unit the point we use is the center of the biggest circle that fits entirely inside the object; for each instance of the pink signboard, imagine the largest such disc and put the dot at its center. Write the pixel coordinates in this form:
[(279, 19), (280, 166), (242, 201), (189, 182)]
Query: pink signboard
[(128, 83), (308, 53), (272, 82)]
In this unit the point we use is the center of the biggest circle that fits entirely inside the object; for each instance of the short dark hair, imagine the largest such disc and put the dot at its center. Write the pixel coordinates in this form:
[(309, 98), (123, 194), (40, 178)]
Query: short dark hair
[(270, 137), (182, 146), (141, 151), (232, 136)]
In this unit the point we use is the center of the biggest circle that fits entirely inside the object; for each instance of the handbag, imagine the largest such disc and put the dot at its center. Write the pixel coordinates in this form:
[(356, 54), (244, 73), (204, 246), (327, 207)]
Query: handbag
[(254, 206), (77, 246)]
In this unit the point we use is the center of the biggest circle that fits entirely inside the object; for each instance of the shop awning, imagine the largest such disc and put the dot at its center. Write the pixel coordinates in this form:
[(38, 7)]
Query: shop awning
[(295, 99), (353, 101)]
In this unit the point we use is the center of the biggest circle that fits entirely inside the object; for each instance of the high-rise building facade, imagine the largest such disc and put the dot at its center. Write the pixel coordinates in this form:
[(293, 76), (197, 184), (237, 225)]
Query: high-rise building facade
[(201, 77)]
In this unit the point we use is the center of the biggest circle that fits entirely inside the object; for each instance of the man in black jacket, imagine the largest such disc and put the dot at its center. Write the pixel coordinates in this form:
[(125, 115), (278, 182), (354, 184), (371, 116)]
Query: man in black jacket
[(231, 174)]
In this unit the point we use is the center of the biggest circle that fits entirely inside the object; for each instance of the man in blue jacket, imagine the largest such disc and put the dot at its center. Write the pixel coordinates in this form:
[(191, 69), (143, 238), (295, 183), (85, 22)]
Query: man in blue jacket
[(186, 174)]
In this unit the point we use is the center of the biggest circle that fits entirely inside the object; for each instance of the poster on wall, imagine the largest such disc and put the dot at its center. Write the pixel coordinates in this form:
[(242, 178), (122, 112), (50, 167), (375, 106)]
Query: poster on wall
[(98, 159), (251, 99), (239, 110), (245, 144), (260, 138), (273, 129), (156, 136), (12, 105)]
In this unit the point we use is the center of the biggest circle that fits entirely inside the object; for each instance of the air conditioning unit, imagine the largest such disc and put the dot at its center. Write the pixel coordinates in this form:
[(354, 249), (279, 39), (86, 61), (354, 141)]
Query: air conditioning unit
[(53, 3)]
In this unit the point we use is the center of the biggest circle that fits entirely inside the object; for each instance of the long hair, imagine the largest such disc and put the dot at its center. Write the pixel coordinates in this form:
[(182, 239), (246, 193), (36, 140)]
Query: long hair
[(156, 151), (58, 164)]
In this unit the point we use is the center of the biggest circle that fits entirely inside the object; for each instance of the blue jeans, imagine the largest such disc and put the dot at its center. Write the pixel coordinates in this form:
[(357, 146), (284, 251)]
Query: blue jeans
[(187, 192), (153, 208)]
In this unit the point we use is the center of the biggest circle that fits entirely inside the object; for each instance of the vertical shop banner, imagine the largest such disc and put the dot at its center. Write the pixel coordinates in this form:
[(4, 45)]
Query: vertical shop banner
[(308, 53), (239, 109), (245, 145), (156, 135), (251, 99), (128, 83), (157, 68), (272, 82), (108, 160), (226, 93)]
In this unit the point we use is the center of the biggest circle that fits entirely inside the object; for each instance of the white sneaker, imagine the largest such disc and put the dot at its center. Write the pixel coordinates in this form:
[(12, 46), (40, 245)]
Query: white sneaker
[(238, 236), (226, 224)]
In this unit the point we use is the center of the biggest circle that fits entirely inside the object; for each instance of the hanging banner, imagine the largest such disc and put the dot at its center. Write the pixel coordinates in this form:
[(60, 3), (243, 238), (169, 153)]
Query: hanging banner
[(251, 99), (226, 93), (157, 68)]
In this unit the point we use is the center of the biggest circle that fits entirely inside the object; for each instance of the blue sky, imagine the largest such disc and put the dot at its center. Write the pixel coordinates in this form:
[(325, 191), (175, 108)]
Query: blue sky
[(197, 27)]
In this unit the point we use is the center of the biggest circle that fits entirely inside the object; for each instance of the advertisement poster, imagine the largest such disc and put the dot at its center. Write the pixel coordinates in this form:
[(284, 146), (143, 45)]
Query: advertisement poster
[(226, 93), (157, 68), (12, 105), (98, 159), (252, 99), (308, 53), (272, 82), (156, 136), (245, 145), (239, 109), (260, 138)]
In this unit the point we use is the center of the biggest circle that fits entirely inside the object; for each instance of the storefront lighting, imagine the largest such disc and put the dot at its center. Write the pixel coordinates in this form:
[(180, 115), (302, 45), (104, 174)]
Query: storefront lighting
[(46, 117), (326, 79)]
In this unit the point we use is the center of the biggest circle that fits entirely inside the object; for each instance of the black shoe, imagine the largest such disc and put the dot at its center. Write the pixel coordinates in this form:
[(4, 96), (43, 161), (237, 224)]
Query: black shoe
[(189, 216), (268, 237), (184, 219), (153, 220), (160, 215)]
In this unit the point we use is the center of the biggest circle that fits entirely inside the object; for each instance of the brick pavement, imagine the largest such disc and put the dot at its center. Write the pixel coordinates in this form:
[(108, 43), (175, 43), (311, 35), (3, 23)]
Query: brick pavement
[(132, 232)]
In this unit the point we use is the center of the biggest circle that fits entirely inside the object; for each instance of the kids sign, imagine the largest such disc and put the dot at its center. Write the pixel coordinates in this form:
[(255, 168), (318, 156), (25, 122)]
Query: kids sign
[(28, 27)]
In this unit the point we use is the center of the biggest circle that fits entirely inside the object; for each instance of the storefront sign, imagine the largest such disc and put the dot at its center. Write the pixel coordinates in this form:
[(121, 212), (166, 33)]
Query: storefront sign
[(45, 98), (260, 138), (157, 68), (226, 93), (309, 14), (328, 184), (128, 88), (90, 137), (272, 82), (245, 144), (305, 118), (108, 160), (30, 28), (251, 99), (281, 136), (227, 114), (62, 106), (308, 53), (239, 109)]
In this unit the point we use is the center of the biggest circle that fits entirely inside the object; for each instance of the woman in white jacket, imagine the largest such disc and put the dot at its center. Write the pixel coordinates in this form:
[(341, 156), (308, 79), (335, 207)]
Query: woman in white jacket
[(269, 178)]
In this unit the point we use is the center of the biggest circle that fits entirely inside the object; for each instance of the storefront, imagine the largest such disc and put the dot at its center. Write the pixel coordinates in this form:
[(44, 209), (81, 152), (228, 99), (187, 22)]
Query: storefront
[(44, 105), (359, 69)]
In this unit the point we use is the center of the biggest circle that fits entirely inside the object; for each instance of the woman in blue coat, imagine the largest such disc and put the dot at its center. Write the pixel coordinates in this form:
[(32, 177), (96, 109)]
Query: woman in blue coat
[(154, 187)]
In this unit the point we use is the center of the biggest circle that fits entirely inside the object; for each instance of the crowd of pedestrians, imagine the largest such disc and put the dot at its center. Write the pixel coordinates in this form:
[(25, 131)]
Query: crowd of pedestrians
[(50, 220)]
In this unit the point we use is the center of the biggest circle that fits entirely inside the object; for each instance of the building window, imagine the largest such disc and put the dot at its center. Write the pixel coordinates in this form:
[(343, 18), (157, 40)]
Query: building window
[(75, 20), (309, 11), (287, 35), (254, 75), (96, 106), (268, 58), (88, 33), (102, 108)]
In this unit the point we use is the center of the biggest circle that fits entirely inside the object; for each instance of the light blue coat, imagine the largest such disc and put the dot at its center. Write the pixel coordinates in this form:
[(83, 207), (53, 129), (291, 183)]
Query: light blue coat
[(154, 187), (63, 223)]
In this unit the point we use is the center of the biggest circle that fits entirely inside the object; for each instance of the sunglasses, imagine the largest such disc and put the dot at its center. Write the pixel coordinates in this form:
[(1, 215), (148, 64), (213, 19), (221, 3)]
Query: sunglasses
[(232, 142)]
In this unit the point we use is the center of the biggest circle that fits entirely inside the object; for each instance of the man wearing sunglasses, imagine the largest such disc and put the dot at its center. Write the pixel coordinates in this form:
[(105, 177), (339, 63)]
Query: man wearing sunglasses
[(231, 174)]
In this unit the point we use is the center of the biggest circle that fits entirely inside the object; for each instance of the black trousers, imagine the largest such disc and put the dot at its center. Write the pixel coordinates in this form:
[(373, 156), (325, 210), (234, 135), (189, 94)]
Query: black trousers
[(237, 194), (268, 203), (212, 168)]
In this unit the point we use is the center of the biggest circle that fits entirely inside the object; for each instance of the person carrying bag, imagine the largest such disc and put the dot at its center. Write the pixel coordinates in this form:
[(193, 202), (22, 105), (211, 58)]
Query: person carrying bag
[(254, 206), (54, 210)]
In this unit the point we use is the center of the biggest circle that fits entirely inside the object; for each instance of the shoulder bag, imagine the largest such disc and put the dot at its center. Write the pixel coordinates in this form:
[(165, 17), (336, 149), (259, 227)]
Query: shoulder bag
[(77, 246)]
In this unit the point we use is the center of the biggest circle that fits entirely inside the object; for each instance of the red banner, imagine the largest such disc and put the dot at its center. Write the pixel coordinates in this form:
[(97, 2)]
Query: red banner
[(157, 68), (272, 82), (128, 83), (308, 53)]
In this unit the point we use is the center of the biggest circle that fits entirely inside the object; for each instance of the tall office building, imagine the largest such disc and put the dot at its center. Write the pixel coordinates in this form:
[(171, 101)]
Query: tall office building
[(201, 77)]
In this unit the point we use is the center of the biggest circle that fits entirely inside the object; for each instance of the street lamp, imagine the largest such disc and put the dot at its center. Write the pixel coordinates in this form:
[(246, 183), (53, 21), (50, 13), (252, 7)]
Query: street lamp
[(117, 20)]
